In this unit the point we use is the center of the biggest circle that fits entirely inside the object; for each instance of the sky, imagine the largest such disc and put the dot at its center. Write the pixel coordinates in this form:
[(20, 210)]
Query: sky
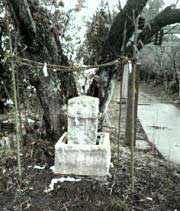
[(93, 4)]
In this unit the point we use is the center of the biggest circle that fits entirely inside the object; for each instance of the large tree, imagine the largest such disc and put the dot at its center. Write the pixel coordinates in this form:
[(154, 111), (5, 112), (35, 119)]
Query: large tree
[(39, 41), (113, 44)]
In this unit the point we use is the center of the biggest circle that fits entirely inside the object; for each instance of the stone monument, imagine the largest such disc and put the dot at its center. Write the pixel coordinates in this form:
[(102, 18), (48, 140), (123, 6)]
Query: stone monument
[(82, 150)]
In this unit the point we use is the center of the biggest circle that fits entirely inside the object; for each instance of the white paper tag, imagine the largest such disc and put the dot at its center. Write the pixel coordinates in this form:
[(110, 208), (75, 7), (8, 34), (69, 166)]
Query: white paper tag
[(45, 70), (130, 67)]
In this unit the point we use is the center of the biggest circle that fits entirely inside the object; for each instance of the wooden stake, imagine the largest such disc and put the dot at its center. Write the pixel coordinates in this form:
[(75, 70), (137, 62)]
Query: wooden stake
[(129, 111), (136, 99), (17, 123), (19, 109)]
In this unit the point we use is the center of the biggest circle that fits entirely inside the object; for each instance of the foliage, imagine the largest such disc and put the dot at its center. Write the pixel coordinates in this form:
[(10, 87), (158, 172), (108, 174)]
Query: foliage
[(96, 34), (152, 8), (161, 62)]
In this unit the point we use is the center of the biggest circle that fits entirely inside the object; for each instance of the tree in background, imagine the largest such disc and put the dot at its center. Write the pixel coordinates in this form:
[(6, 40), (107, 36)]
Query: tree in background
[(152, 8), (96, 34), (162, 62)]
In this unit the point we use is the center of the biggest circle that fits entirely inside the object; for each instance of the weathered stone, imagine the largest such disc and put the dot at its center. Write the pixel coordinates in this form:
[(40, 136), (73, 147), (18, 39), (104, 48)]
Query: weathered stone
[(81, 159), (83, 120), (125, 81), (83, 151)]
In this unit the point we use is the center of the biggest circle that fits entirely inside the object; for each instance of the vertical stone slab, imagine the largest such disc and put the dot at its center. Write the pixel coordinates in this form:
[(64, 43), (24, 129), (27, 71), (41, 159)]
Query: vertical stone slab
[(83, 120), (125, 81)]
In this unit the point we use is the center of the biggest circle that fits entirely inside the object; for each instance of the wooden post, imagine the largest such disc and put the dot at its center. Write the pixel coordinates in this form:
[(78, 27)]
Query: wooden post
[(132, 107), (136, 100), (133, 81)]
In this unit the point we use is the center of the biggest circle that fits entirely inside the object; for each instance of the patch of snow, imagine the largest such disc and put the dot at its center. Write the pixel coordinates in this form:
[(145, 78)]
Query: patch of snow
[(149, 198), (61, 179), (53, 169), (111, 165), (9, 102), (5, 121), (39, 167), (30, 120)]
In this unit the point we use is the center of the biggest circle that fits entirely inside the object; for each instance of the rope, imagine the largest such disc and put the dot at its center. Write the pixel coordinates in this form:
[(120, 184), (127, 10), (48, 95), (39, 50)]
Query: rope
[(74, 68)]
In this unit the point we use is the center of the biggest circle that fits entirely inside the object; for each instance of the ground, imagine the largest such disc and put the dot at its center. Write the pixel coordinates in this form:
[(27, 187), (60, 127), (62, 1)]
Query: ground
[(157, 182)]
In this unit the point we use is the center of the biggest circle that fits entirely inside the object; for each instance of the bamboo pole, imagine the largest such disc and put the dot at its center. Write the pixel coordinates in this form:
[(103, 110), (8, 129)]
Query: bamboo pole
[(16, 120), (19, 108), (17, 123)]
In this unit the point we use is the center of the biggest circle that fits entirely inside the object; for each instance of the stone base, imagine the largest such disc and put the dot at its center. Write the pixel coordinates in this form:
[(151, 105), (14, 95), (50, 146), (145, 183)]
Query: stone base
[(77, 159)]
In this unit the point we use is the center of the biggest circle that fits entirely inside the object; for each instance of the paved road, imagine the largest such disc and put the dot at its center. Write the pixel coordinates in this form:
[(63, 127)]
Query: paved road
[(161, 123)]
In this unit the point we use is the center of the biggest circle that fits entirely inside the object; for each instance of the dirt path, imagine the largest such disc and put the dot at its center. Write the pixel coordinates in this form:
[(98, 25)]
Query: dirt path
[(113, 121)]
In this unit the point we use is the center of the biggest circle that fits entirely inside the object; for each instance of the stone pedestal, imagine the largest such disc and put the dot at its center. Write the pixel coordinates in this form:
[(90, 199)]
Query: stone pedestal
[(92, 160), (83, 120), (82, 150)]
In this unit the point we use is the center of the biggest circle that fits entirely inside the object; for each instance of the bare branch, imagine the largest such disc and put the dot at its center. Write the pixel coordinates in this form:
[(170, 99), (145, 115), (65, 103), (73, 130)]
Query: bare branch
[(115, 38), (119, 5), (166, 17)]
